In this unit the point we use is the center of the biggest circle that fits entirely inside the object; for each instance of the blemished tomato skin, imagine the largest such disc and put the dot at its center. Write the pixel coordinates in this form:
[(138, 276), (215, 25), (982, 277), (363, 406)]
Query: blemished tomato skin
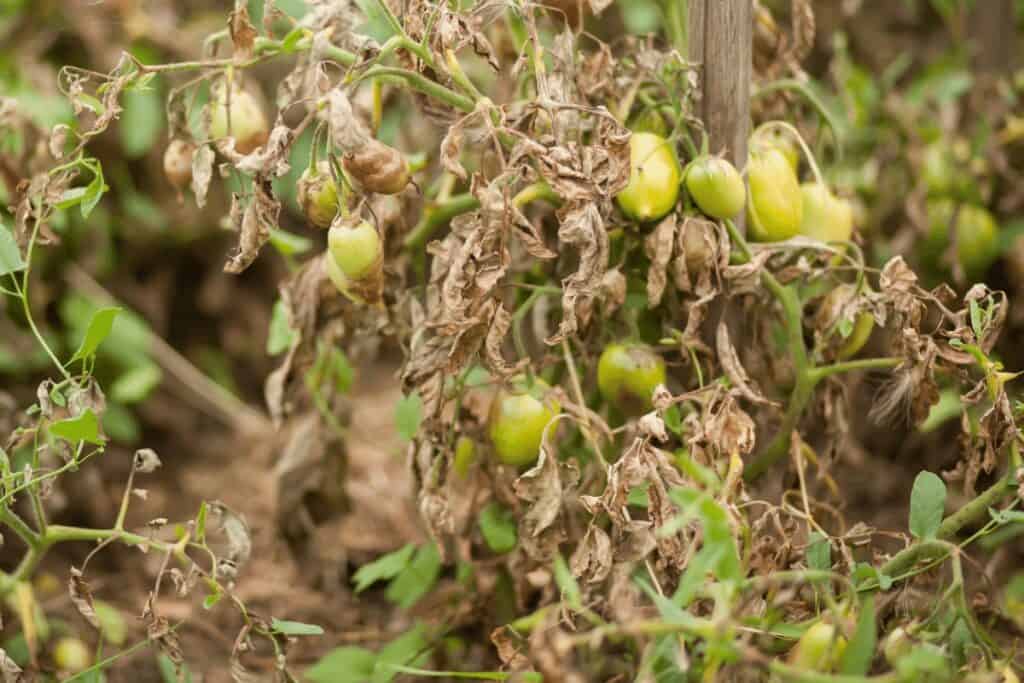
[(518, 418), (775, 203), (826, 217), (977, 235), (627, 375), (653, 187), (716, 187), (819, 649), (249, 126), (317, 194), (178, 162), (355, 248)]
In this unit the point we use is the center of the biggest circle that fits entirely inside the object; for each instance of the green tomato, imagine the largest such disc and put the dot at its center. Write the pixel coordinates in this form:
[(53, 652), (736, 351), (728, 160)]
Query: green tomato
[(627, 375), (71, 655), (826, 217), (518, 419), (716, 187), (784, 143), (337, 277), (653, 178), (649, 121), (355, 248), (897, 645), (465, 456), (775, 207), (249, 125), (819, 649), (317, 194), (977, 235), (863, 324)]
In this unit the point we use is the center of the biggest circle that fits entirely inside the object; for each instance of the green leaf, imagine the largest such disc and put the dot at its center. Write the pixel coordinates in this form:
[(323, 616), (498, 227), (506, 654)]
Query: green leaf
[(927, 505), (112, 624), (10, 255), (295, 628), (567, 584), (94, 191), (169, 672), (861, 649), (417, 578), (408, 414), (385, 567), (141, 121), (382, 23), (498, 526), (289, 244), (409, 649), (136, 384), (85, 427), (343, 665), (99, 327), (819, 552), (280, 335)]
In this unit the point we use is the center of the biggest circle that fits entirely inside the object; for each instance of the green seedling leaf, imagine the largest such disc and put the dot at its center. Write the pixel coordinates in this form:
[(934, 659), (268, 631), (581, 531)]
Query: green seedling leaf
[(498, 526), (136, 384), (385, 567), (98, 329), (861, 649), (85, 427), (417, 578), (343, 665), (280, 335), (10, 255), (93, 192), (819, 552), (567, 583), (408, 414), (409, 649), (927, 505), (295, 628)]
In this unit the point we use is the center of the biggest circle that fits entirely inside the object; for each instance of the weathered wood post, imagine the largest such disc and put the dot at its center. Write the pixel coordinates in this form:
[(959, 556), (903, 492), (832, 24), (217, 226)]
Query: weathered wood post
[(720, 38)]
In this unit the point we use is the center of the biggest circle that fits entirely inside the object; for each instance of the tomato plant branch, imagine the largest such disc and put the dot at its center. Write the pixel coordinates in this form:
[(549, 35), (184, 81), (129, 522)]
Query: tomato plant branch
[(823, 371)]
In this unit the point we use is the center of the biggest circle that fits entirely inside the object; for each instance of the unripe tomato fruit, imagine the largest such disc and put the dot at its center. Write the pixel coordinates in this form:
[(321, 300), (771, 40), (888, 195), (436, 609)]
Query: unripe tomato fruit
[(178, 162), (775, 206), (627, 375), (249, 125), (784, 143), (826, 217), (354, 248), (896, 645), (716, 187), (653, 178), (317, 194), (819, 649), (71, 655), (977, 235), (518, 419)]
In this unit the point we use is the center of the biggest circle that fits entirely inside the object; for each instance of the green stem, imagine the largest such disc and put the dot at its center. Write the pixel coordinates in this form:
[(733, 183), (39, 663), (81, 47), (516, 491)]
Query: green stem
[(801, 88), (849, 366), (421, 83), (23, 293), (16, 524), (790, 673), (978, 508)]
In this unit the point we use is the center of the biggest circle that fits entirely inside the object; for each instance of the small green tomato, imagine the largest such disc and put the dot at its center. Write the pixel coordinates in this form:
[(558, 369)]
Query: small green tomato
[(71, 655), (863, 324), (826, 217), (518, 419), (249, 126), (627, 375), (819, 649), (653, 179), (354, 247), (775, 206), (977, 235), (716, 187), (897, 645), (317, 194)]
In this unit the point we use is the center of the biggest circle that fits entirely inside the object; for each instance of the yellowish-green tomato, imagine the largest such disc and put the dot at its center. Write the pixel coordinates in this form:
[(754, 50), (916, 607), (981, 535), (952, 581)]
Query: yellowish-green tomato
[(863, 324), (826, 217), (71, 655), (716, 187), (518, 419), (337, 277), (627, 375), (784, 143), (653, 178), (317, 194), (819, 649), (775, 204), (896, 645), (355, 248), (465, 456), (249, 126), (977, 235)]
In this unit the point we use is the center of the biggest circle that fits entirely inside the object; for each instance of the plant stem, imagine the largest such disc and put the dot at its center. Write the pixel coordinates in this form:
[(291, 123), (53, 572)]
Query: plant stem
[(16, 524), (824, 371), (790, 673)]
